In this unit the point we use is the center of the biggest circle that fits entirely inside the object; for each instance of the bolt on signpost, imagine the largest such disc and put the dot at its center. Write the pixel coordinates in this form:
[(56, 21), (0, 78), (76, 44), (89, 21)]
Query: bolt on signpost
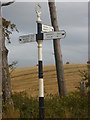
[(44, 32)]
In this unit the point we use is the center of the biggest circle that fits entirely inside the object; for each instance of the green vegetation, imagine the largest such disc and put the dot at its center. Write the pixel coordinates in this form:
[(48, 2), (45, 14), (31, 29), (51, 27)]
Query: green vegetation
[(8, 28), (72, 106), (84, 75)]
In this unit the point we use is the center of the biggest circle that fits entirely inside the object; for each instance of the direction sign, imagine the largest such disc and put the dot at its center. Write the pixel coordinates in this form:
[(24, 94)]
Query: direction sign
[(44, 32), (27, 38), (54, 35), (46, 28), (42, 36)]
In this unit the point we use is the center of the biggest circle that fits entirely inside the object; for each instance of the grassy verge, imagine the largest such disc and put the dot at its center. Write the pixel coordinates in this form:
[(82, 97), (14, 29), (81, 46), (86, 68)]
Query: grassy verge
[(72, 106)]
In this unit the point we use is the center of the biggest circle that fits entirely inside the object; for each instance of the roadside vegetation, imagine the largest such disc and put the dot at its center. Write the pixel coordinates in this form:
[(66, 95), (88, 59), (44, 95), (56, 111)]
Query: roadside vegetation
[(72, 106)]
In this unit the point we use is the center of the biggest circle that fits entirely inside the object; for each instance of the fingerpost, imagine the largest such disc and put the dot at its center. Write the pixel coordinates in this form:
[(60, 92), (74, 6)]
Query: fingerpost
[(44, 32)]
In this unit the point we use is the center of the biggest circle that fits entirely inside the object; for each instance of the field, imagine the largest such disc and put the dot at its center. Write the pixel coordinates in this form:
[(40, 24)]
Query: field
[(26, 79)]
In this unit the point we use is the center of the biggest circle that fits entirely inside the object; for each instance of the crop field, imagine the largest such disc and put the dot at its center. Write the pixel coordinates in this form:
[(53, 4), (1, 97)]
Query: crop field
[(26, 79)]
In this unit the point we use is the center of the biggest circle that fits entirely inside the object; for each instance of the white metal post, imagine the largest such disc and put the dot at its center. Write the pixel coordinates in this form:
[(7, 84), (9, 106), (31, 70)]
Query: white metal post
[(41, 86), (40, 69), (40, 66), (41, 91)]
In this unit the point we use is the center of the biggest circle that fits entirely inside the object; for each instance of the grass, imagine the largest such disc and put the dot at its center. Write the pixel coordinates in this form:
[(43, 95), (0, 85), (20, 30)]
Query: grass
[(72, 106), (26, 79)]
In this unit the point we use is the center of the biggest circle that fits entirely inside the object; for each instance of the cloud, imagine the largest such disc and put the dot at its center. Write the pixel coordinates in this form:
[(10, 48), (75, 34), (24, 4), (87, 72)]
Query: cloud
[(72, 17)]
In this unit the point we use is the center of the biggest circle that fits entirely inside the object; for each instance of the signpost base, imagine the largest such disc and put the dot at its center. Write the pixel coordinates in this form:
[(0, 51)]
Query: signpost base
[(41, 108)]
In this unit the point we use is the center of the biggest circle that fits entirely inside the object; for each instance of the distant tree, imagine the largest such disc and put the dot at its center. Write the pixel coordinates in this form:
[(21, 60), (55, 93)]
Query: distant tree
[(88, 62), (67, 62)]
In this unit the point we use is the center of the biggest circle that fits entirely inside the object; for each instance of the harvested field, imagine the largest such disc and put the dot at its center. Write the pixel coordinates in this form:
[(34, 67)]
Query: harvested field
[(26, 79)]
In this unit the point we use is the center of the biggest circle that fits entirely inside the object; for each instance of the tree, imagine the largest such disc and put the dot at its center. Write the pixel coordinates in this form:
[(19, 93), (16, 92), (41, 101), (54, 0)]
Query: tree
[(57, 51), (7, 3), (0, 63), (7, 30)]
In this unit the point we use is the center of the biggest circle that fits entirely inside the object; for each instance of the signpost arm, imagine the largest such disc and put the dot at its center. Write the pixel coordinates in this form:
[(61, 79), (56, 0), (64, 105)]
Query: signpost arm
[(40, 68)]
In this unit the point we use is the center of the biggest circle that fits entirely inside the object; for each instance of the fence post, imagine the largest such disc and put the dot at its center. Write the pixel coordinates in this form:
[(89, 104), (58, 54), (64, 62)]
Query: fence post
[(82, 88)]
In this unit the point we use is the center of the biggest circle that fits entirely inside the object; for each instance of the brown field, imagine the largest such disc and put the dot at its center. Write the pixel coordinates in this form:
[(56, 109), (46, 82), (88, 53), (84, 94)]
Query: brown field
[(26, 79)]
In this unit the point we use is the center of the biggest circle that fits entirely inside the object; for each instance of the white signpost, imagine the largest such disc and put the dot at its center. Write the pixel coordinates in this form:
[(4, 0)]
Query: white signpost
[(54, 35), (27, 38), (44, 32), (46, 28), (45, 36)]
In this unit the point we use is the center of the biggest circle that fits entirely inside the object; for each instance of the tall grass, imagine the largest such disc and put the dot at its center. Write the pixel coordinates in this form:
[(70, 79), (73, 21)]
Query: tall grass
[(72, 106)]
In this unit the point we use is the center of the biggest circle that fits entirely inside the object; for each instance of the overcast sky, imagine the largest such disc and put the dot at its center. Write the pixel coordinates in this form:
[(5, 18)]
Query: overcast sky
[(46, 0), (72, 17)]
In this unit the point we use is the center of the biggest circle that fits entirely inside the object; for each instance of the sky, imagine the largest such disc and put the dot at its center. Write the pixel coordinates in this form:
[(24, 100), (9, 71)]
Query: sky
[(46, 0), (72, 17)]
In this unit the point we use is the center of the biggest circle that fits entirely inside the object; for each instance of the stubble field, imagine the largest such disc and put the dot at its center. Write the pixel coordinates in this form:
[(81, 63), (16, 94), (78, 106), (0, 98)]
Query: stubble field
[(26, 79)]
